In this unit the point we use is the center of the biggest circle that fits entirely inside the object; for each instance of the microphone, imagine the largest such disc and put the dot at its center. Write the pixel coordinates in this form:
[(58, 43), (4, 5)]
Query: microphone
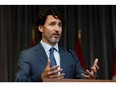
[(70, 51)]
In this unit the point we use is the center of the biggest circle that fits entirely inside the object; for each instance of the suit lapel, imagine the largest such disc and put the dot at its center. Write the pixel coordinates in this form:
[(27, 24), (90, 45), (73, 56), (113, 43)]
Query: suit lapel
[(63, 59), (41, 54)]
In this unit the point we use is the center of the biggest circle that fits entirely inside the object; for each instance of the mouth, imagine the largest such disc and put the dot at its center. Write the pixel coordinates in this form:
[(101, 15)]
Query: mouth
[(56, 35)]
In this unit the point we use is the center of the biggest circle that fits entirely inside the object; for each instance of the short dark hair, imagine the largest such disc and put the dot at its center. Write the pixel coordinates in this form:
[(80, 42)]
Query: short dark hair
[(41, 18)]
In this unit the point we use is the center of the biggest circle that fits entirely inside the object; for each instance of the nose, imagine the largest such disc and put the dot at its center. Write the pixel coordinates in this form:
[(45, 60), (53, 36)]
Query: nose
[(57, 28)]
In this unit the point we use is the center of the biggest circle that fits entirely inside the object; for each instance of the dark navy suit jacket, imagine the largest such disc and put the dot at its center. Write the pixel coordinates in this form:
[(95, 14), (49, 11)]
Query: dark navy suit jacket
[(32, 63)]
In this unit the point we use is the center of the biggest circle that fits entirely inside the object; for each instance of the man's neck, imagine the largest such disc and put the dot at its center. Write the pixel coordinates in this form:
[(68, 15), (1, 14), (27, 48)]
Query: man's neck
[(45, 45), (51, 44)]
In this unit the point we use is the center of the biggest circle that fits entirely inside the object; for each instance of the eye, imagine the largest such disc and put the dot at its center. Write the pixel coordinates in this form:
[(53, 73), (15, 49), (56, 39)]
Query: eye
[(52, 23), (60, 24)]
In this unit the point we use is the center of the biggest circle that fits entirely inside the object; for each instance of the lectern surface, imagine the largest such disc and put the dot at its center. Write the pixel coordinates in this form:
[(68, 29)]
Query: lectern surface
[(76, 80)]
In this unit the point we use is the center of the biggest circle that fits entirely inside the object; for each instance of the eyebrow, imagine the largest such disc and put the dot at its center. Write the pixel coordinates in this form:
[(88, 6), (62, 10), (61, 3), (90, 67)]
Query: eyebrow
[(55, 21)]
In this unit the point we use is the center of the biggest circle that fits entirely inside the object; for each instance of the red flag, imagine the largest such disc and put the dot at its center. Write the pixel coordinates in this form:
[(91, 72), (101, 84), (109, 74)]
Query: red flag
[(114, 67), (32, 38), (78, 51)]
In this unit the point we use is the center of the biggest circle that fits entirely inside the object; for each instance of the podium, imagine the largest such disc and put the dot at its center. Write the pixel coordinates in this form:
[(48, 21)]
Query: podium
[(75, 80)]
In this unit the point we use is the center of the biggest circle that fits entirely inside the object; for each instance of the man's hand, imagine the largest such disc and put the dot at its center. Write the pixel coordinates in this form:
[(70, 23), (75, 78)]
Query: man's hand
[(93, 73), (52, 72)]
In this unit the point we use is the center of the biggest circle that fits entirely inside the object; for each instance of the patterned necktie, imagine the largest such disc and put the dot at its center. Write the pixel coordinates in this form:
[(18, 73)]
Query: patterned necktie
[(52, 58)]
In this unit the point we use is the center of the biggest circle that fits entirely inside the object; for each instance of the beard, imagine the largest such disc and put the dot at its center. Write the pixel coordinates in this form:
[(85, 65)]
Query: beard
[(51, 39)]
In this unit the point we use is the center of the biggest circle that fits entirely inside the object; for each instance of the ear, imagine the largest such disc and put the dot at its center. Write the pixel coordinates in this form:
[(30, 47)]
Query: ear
[(40, 28)]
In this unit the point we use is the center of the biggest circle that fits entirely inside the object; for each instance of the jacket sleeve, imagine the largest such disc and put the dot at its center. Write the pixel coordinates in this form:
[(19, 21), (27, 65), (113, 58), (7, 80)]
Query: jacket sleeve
[(79, 69), (24, 73)]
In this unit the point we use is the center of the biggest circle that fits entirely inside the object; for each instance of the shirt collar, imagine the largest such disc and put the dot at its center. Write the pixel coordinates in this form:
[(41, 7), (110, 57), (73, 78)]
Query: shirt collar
[(47, 46)]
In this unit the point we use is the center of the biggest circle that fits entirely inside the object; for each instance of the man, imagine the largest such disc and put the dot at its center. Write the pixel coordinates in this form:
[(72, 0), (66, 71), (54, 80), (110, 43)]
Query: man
[(40, 62)]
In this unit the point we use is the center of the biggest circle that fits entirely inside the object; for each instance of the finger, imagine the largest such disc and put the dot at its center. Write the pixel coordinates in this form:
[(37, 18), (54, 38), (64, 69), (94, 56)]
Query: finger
[(54, 72), (90, 73), (85, 76), (94, 69), (95, 62), (58, 70), (57, 76), (53, 68), (50, 71), (97, 67), (61, 77)]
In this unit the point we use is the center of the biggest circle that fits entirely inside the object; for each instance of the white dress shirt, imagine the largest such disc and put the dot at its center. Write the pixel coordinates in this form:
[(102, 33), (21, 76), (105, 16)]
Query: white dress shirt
[(56, 52)]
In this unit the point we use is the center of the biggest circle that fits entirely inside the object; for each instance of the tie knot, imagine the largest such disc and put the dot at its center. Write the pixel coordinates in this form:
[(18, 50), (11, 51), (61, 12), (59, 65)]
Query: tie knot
[(52, 49)]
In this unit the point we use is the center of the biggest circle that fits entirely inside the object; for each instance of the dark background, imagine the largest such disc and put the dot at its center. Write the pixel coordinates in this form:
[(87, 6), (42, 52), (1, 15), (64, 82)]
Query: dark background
[(97, 22)]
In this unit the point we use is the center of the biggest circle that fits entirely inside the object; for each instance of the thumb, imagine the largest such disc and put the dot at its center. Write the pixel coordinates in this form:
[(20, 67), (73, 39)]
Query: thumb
[(48, 63)]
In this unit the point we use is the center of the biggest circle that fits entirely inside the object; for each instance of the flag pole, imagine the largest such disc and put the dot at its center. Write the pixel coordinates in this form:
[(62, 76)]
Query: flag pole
[(78, 50), (32, 37), (79, 35)]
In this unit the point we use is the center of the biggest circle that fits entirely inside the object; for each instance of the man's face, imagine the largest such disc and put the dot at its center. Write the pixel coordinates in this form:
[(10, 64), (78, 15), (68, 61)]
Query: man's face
[(51, 30)]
